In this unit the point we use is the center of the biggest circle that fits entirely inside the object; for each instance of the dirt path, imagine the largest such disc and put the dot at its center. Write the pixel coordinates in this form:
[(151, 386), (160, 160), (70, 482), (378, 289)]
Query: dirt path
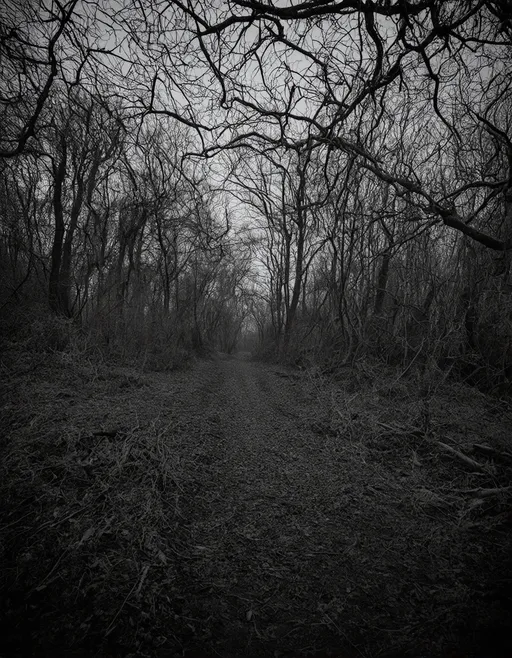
[(240, 509), (273, 546), (305, 544)]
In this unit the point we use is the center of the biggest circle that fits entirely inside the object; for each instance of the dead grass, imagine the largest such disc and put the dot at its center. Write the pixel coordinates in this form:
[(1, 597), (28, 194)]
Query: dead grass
[(125, 531), (93, 476), (439, 530)]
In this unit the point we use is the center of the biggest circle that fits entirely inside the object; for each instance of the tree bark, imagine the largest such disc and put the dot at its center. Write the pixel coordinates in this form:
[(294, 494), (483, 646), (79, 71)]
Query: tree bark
[(54, 288), (382, 281)]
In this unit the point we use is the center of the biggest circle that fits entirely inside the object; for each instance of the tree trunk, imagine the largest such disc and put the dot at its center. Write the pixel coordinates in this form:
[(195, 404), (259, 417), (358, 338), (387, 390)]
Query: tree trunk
[(55, 297), (65, 268), (297, 287), (382, 282)]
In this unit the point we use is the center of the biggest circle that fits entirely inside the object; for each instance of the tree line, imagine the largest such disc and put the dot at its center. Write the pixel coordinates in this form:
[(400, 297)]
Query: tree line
[(324, 180)]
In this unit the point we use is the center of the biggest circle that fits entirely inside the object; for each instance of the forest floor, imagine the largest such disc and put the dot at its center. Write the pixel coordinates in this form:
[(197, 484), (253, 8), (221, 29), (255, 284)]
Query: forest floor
[(246, 509)]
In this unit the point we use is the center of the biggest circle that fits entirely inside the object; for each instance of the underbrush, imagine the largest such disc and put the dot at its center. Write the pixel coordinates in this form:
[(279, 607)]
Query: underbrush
[(93, 478), (436, 458), (35, 334), (100, 469)]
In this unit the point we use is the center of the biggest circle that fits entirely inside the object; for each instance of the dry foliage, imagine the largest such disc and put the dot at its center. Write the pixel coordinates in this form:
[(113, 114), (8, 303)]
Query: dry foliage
[(240, 509)]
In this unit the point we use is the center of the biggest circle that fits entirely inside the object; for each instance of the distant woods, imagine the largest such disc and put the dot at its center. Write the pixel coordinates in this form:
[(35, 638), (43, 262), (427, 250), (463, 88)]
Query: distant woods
[(324, 182)]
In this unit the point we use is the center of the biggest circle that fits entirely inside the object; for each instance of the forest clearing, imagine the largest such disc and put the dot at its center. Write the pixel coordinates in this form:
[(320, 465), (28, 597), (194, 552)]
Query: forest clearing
[(247, 509)]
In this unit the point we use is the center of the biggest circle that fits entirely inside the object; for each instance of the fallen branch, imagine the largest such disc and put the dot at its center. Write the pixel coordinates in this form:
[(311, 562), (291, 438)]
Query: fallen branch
[(467, 460), (491, 452), (498, 491)]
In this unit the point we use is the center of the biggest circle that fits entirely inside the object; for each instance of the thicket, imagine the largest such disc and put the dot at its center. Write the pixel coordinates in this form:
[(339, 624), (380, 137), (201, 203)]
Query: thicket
[(319, 183), (111, 247)]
